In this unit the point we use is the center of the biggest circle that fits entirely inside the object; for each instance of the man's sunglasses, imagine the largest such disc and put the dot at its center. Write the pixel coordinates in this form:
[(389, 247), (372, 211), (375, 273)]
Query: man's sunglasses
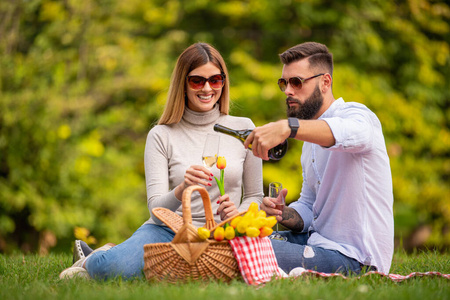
[(197, 83), (295, 82)]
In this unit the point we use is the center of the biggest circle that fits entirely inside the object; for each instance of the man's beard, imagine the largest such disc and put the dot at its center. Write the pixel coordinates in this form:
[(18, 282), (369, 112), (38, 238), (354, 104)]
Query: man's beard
[(308, 109)]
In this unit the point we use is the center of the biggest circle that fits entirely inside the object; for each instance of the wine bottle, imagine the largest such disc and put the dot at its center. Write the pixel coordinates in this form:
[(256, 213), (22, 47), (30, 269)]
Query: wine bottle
[(276, 153)]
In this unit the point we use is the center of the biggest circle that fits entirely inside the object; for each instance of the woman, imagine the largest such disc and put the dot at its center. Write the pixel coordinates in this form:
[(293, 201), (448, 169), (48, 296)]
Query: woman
[(198, 98)]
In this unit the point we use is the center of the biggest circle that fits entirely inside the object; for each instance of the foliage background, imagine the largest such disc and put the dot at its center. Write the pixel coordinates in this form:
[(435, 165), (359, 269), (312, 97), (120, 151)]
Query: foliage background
[(82, 82)]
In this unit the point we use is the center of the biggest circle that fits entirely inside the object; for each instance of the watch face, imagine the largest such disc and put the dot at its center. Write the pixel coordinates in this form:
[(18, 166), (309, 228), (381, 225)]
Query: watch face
[(293, 123)]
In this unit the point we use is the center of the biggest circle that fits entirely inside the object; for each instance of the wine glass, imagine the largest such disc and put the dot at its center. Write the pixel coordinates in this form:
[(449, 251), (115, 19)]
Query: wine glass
[(210, 150), (275, 192)]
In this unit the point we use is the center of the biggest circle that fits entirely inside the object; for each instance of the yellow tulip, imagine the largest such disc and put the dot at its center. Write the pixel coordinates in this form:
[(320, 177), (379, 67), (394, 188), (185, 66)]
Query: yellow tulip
[(261, 213), (249, 215), (271, 221), (219, 234), (252, 231), (243, 224), (221, 162), (229, 233), (265, 231), (253, 207), (235, 221), (258, 222), (203, 233)]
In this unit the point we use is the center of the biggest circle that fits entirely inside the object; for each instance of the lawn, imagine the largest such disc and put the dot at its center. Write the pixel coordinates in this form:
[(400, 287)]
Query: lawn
[(35, 277)]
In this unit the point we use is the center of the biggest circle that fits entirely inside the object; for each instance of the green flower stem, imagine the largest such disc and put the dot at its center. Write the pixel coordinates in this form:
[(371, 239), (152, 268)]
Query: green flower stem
[(220, 184)]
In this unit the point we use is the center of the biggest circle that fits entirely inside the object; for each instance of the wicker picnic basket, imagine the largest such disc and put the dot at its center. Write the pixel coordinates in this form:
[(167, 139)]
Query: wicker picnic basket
[(188, 257)]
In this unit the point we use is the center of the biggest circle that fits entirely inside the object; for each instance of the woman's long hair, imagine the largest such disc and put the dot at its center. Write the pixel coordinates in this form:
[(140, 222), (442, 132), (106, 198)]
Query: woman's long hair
[(193, 57)]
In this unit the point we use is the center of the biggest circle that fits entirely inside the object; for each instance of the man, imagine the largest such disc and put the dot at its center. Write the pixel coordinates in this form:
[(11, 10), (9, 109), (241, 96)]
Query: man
[(343, 220)]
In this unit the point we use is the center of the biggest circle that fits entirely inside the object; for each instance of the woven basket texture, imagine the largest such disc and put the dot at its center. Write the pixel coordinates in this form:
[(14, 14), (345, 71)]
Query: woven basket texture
[(188, 257)]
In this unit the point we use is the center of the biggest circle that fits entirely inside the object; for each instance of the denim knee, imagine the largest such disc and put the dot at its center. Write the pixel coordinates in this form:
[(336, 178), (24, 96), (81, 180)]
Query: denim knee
[(127, 259)]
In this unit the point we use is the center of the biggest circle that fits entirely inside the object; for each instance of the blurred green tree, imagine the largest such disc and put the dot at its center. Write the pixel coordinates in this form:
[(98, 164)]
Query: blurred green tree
[(81, 83)]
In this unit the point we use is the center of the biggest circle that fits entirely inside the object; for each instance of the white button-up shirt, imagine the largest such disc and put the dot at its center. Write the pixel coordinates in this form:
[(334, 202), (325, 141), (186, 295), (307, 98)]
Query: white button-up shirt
[(346, 199)]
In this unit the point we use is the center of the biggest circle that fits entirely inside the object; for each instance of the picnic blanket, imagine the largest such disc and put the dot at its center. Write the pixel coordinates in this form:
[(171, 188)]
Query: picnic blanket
[(297, 272), (258, 264)]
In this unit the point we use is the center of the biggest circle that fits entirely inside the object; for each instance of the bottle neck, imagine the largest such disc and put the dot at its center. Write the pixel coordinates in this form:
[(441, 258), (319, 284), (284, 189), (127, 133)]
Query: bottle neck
[(229, 131), (276, 153), (223, 129), (239, 134)]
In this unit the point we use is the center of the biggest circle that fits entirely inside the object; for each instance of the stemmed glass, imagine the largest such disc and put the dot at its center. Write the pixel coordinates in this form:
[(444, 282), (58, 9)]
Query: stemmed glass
[(210, 150), (275, 192)]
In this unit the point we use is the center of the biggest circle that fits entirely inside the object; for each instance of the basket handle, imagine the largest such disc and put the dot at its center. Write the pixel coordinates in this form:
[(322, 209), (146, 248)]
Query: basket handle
[(186, 206)]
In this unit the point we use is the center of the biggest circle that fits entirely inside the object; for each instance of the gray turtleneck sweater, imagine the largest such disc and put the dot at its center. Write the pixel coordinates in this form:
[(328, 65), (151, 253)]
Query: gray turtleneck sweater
[(171, 149)]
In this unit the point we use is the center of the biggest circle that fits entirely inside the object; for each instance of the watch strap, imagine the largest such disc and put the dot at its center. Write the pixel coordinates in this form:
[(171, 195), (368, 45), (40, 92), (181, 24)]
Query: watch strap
[(294, 125)]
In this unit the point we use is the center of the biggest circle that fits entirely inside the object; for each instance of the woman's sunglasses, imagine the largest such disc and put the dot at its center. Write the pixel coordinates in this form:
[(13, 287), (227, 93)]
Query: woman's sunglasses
[(196, 83), (295, 82)]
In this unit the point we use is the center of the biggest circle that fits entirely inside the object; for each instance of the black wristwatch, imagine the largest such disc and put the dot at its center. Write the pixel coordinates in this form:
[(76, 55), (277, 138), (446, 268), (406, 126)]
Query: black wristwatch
[(294, 125)]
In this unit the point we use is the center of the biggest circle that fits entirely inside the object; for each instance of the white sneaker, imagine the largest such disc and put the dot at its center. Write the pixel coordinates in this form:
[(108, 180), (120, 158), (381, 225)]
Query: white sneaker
[(77, 269), (80, 250), (73, 272), (296, 272), (283, 273)]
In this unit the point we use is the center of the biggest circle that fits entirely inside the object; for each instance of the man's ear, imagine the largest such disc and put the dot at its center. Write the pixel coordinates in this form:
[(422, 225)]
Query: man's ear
[(327, 81)]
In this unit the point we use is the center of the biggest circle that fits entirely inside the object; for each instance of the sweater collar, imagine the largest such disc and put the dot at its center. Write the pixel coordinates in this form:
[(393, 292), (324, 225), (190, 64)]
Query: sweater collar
[(201, 118)]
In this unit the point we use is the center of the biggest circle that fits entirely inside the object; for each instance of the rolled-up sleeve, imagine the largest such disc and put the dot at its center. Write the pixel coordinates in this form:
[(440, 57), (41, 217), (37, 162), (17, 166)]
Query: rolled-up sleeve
[(352, 131)]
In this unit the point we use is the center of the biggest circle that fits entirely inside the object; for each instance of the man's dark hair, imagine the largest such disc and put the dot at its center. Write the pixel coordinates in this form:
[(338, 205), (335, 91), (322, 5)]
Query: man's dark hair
[(318, 56)]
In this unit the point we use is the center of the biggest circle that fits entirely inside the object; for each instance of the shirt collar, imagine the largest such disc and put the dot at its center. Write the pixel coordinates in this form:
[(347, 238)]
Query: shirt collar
[(333, 107)]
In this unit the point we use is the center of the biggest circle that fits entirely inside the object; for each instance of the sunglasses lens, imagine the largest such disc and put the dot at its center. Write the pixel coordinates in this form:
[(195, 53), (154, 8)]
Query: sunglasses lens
[(196, 82), (282, 84), (295, 82), (216, 82)]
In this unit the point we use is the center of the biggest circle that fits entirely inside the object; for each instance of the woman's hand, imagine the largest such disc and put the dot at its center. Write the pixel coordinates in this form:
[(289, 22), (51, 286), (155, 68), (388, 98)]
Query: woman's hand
[(195, 174), (226, 209)]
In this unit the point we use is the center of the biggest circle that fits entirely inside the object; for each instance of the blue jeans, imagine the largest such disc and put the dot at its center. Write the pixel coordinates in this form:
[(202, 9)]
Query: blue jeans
[(296, 253), (127, 259)]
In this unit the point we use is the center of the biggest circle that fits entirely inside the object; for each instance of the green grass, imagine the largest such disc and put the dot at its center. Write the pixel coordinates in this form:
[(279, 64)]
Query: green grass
[(34, 277)]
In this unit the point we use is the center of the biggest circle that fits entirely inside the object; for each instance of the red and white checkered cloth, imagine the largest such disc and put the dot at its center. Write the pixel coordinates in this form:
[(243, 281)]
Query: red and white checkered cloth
[(256, 259)]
